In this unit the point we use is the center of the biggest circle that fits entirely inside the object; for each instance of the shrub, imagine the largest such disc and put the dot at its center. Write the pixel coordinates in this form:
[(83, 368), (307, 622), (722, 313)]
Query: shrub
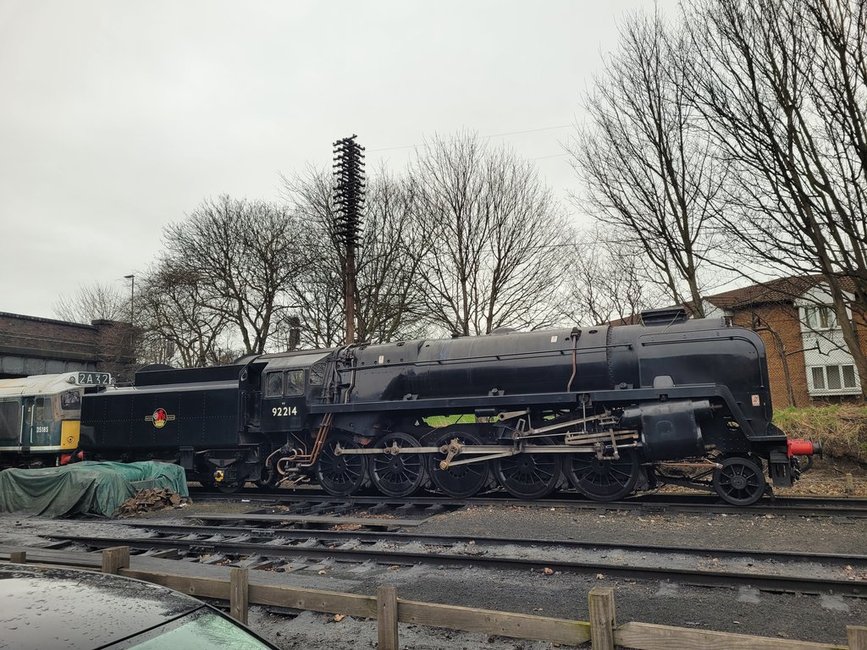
[(841, 428)]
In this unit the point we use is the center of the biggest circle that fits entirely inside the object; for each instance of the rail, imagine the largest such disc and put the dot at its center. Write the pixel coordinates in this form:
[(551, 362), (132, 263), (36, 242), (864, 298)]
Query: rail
[(388, 610), (679, 503), (768, 571)]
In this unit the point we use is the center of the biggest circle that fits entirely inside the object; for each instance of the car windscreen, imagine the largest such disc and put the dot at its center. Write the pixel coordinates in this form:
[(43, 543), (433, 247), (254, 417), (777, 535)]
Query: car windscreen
[(203, 629)]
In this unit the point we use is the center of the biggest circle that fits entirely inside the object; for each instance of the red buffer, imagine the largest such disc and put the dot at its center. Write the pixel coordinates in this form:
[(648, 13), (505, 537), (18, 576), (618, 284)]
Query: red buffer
[(799, 447)]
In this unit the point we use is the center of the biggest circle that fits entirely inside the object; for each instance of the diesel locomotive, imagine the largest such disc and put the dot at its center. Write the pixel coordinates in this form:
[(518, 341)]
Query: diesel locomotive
[(39, 417), (605, 410)]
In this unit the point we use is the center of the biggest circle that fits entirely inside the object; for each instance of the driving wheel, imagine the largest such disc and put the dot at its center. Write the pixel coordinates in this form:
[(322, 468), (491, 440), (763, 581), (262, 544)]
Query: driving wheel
[(396, 474), (461, 481), (340, 475), (529, 476), (603, 479)]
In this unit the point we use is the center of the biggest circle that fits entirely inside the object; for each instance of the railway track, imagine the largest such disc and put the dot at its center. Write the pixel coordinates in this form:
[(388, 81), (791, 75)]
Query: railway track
[(796, 506), (361, 551), (342, 536)]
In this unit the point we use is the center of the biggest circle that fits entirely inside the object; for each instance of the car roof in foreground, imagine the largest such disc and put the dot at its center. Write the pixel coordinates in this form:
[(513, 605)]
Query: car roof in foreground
[(61, 608)]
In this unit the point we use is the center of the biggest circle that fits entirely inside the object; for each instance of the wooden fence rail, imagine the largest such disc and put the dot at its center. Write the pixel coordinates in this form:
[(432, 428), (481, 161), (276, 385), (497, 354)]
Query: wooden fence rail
[(602, 629)]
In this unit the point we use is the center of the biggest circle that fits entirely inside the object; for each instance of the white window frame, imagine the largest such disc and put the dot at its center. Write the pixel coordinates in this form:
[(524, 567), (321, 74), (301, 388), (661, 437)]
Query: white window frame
[(843, 390), (819, 313)]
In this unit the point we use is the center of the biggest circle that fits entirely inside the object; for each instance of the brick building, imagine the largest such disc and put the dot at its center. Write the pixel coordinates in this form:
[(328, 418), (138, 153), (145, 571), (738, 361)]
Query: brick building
[(808, 360), (35, 346)]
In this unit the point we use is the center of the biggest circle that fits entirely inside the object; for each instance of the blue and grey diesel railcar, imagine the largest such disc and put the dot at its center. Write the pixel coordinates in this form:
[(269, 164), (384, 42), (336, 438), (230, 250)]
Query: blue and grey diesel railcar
[(605, 410)]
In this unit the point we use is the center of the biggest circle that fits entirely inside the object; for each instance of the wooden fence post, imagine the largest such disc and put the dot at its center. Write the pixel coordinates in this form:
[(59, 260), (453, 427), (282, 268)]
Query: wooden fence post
[(239, 593), (115, 558), (386, 618), (856, 635), (602, 618), (19, 557)]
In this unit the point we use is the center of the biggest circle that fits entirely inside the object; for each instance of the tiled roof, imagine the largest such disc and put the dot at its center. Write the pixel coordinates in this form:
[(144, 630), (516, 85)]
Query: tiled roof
[(781, 290)]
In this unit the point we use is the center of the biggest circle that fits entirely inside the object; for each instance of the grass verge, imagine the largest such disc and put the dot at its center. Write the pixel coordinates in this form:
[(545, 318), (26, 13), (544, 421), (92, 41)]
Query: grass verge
[(841, 428)]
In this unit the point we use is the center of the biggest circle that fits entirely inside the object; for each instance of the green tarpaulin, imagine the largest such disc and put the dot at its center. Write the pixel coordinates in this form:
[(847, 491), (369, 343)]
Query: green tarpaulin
[(84, 488)]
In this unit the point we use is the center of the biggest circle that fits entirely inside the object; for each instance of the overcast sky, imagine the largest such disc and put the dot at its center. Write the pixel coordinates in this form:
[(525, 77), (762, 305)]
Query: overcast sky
[(117, 118)]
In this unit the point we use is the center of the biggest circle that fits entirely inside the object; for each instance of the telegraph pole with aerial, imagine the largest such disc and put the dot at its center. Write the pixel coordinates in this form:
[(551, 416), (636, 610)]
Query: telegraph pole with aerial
[(349, 198)]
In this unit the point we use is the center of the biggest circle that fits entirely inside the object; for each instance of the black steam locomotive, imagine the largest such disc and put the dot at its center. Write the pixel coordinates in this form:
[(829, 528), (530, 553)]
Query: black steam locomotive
[(607, 409)]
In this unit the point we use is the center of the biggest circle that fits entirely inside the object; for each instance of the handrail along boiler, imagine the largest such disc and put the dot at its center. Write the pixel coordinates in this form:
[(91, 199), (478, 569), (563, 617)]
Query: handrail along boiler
[(608, 410)]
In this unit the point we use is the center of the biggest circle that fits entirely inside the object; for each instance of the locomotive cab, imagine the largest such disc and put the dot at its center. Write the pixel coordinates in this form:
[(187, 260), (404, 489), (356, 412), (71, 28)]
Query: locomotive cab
[(287, 382)]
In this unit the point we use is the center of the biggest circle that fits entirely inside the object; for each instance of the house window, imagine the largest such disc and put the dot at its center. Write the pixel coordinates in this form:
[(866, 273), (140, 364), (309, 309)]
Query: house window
[(820, 318), (833, 379)]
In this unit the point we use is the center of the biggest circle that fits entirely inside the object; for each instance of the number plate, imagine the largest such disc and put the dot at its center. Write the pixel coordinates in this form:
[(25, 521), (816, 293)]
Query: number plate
[(93, 379), (284, 411)]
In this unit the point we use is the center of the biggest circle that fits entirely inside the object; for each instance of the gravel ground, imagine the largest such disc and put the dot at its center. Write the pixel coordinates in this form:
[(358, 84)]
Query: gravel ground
[(743, 610), (831, 477), (770, 532)]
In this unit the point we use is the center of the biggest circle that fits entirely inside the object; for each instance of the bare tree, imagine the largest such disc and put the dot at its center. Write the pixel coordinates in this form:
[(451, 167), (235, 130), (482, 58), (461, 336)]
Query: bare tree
[(494, 234), (243, 255), (783, 87), (179, 323), (647, 168), (388, 292), (98, 301), (607, 280), (119, 339), (394, 242), (317, 291)]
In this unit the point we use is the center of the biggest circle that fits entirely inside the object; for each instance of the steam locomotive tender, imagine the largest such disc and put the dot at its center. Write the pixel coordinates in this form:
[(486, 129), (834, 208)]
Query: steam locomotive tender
[(608, 409)]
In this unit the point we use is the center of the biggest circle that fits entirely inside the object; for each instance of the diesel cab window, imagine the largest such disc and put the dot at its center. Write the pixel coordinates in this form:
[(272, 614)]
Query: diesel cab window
[(70, 400)]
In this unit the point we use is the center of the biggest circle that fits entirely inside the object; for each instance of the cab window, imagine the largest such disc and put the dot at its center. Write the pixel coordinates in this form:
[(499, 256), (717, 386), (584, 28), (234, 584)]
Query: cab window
[(70, 400), (10, 420), (274, 384), (317, 373), (294, 382), (41, 414)]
